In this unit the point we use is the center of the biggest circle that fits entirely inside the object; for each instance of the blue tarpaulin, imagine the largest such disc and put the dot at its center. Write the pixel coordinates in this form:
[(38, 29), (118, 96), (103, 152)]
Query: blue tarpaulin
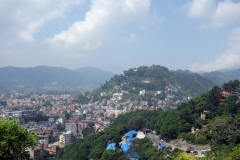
[(129, 139), (134, 155), (131, 133), (162, 145), (111, 146), (125, 147)]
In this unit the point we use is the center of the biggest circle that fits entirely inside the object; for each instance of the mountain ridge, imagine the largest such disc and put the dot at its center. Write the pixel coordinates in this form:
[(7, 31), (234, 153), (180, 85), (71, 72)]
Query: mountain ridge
[(45, 78)]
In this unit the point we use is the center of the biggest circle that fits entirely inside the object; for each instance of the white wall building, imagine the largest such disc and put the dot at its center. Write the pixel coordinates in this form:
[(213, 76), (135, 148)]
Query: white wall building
[(67, 137)]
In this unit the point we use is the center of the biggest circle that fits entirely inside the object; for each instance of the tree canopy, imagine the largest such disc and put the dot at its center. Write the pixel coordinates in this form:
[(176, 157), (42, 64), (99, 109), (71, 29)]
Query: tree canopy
[(14, 139)]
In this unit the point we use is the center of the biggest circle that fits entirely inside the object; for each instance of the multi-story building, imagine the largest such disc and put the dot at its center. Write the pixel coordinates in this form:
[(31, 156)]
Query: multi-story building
[(67, 137), (71, 127), (12, 114), (45, 135)]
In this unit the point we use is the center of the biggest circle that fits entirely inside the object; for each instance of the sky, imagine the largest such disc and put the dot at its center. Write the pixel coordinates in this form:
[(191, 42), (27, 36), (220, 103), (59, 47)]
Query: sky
[(115, 35)]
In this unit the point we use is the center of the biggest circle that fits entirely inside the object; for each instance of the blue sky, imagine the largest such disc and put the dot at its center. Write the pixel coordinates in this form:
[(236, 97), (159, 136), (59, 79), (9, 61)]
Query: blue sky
[(115, 35)]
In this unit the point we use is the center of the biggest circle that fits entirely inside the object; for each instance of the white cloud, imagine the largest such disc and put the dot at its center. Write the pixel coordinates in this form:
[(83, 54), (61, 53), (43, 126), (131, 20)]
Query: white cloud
[(200, 8), (227, 12), (228, 59), (25, 17), (130, 39), (219, 15), (104, 21)]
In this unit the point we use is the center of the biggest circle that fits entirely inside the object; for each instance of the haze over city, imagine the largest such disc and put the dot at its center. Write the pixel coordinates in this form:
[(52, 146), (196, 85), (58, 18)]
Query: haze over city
[(198, 35)]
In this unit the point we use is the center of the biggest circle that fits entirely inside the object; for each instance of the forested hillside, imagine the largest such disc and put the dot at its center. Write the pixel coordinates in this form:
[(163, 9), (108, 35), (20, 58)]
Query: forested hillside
[(219, 77), (156, 85), (156, 77), (219, 127)]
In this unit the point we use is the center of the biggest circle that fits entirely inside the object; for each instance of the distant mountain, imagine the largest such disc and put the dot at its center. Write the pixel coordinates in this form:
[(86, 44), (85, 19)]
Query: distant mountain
[(57, 79), (94, 75), (223, 76)]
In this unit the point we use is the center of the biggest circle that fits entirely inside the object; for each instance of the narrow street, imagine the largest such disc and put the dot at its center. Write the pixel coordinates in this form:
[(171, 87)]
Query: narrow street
[(154, 138)]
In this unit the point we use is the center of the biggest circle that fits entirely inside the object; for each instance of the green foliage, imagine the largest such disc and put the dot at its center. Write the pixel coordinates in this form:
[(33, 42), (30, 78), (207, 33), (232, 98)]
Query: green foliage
[(91, 124), (225, 153), (96, 152), (94, 145), (232, 86), (59, 153), (146, 150), (175, 122), (138, 123), (184, 156), (148, 115), (88, 130), (60, 126), (161, 76), (44, 154), (223, 120), (111, 155), (14, 139), (225, 133)]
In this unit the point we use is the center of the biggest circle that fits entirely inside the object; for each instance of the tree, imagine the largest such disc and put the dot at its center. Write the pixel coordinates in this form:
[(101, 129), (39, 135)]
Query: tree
[(88, 130), (14, 139), (96, 152), (60, 126), (232, 86), (44, 154), (67, 115), (111, 155), (184, 156), (91, 124), (59, 153), (137, 122)]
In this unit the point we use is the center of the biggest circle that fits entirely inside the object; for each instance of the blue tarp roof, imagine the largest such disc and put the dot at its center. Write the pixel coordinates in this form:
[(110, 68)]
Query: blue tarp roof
[(134, 155), (131, 133), (162, 145), (125, 147), (111, 146), (129, 139)]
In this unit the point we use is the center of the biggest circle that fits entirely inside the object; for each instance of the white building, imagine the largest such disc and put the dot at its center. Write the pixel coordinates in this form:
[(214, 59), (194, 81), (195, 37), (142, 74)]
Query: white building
[(67, 137), (12, 114), (71, 127), (142, 92)]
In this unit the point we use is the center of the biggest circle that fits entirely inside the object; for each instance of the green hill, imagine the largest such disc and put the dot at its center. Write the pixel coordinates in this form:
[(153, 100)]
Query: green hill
[(220, 129), (156, 83)]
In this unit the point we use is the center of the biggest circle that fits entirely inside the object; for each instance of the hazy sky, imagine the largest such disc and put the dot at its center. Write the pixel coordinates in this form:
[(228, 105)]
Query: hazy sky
[(115, 35)]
